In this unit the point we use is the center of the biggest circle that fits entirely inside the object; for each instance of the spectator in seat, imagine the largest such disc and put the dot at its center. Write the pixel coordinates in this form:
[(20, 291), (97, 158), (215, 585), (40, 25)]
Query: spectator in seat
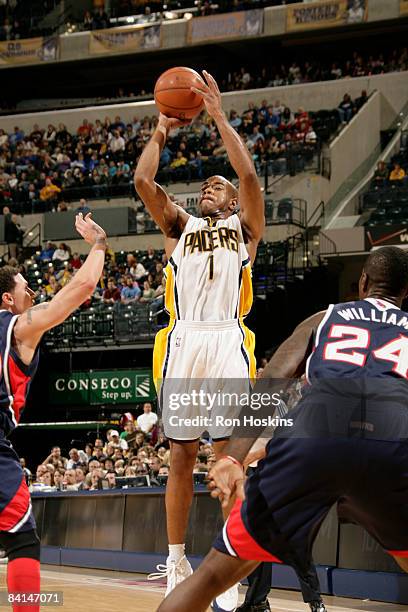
[(381, 173), (80, 474), (398, 173), (75, 261), (87, 23), (111, 478), (63, 253), (77, 458), (49, 192), (55, 457), (111, 293), (83, 207), (149, 261), (361, 100), (135, 268), (148, 419), (58, 479), (47, 252), (119, 443), (69, 482), (130, 292), (346, 109), (148, 292), (52, 288), (116, 143)]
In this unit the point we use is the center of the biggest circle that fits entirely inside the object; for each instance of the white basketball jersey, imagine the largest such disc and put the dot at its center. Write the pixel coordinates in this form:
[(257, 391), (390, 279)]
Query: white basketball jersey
[(209, 273)]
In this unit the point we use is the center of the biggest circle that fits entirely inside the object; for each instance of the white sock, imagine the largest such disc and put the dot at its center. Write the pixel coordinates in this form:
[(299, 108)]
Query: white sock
[(176, 552)]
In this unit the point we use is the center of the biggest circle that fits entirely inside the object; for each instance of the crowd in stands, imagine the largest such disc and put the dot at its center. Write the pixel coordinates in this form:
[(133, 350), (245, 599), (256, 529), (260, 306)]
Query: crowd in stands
[(140, 450), (126, 279), (43, 167), (260, 75), (395, 175)]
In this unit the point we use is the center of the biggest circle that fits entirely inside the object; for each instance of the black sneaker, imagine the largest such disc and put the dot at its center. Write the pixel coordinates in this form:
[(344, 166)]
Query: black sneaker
[(317, 606), (261, 607)]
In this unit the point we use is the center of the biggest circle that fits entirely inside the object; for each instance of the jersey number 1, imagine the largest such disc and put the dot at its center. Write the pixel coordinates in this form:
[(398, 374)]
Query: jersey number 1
[(211, 267), (395, 351)]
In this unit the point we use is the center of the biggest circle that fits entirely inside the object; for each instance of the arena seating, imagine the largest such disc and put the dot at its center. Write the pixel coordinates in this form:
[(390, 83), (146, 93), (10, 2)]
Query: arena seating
[(387, 197), (41, 169)]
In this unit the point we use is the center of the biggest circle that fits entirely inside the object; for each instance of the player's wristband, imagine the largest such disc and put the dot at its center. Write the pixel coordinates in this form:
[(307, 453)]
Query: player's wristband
[(233, 460)]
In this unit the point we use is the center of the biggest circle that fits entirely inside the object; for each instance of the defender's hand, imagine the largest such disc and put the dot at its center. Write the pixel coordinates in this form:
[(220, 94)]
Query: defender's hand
[(226, 479), (90, 231), (211, 95)]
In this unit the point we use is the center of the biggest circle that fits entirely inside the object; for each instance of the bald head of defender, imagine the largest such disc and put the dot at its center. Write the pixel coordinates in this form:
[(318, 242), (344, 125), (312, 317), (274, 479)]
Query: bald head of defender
[(218, 198), (385, 275)]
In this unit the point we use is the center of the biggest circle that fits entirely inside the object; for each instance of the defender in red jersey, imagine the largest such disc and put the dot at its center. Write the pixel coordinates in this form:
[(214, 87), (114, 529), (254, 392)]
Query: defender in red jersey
[(21, 327)]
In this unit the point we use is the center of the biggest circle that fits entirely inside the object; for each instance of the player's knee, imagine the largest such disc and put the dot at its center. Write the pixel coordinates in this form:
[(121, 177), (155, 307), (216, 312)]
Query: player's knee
[(181, 458), (24, 544)]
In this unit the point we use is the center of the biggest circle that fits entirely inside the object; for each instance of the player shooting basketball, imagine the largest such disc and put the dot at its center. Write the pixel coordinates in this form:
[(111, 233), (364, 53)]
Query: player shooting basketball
[(22, 326), (208, 293)]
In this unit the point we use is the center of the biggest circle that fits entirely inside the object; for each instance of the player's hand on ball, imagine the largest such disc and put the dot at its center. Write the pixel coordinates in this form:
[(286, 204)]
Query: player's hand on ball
[(90, 231), (211, 94), (225, 480), (171, 123)]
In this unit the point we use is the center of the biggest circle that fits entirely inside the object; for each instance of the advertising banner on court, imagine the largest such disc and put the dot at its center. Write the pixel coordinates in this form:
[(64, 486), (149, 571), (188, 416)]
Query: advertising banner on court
[(227, 25), (386, 235), (403, 7), (28, 51), (125, 39), (325, 14), (98, 387)]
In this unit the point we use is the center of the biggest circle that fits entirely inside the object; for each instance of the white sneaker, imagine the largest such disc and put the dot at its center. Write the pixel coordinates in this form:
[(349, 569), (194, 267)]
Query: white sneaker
[(174, 572), (227, 601)]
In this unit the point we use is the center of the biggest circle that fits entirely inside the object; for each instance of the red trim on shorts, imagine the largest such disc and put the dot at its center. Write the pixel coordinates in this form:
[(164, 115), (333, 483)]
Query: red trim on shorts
[(16, 508), (18, 383), (398, 553), (241, 541)]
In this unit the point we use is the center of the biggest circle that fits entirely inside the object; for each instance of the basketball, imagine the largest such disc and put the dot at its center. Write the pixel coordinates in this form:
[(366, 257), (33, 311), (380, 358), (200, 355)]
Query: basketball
[(173, 95)]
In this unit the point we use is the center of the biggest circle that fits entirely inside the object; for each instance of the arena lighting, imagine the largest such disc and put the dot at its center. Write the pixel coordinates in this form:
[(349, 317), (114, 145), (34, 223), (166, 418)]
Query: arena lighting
[(130, 19), (30, 233), (188, 15), (170, 15), (36, 273)]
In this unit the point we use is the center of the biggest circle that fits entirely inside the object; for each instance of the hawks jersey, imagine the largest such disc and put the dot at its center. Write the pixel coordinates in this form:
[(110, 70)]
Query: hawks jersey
[(15, 376), (208, 277), (367, 338)]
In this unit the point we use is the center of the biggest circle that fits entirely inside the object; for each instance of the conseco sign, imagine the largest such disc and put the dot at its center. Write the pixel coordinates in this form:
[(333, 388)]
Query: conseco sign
[(101, 387)]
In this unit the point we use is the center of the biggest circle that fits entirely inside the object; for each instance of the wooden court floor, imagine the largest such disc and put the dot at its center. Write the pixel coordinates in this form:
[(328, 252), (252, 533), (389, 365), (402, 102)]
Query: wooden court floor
[(86, 590)]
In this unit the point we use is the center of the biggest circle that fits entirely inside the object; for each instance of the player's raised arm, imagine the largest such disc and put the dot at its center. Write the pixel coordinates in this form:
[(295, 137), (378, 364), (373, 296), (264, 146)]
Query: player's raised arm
[(251, 202), (169, 217), (31, 325)]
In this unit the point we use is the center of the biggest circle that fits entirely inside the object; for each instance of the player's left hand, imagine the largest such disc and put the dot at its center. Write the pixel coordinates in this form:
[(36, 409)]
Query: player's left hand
[(225, 480), (90, 231), (211, 94)]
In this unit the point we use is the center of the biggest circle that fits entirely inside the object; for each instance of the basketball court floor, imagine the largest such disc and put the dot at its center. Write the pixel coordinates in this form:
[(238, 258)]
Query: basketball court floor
[(106, 591)]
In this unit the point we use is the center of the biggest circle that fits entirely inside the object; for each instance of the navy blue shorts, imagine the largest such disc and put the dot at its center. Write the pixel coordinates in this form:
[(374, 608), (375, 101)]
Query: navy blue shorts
[(294, 487), (16, 513)]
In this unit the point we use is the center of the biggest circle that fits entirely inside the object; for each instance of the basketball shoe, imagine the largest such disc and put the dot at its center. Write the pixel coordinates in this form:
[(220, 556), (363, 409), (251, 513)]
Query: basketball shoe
[(317, 606), (173, 572), (227, 601)]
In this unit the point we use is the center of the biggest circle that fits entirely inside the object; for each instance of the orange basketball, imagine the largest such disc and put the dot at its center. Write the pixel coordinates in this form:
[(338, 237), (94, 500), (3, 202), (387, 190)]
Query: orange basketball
[(173, 96)]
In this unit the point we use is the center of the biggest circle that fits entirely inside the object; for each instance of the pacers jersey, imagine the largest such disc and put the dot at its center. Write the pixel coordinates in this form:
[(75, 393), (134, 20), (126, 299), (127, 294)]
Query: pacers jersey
[(208, 277), (15, 376), (362, 339)]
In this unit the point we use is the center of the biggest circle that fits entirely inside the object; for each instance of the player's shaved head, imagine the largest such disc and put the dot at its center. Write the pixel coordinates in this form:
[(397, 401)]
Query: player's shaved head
[(386, 272)]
